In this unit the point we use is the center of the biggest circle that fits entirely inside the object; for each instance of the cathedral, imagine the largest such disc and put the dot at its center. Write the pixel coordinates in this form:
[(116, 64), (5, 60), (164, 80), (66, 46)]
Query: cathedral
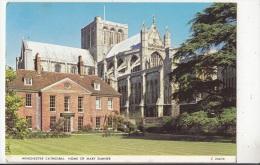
[(137, 67)]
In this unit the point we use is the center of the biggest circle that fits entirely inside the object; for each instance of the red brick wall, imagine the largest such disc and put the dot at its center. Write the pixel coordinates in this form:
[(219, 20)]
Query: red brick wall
[(104, 109), (89, 113), (28, 111)]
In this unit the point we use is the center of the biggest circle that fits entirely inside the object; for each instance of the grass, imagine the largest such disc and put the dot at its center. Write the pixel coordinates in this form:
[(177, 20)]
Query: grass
[(149, 144)]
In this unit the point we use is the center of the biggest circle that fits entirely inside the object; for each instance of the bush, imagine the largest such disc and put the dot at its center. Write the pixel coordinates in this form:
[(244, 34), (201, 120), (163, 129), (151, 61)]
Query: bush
[(153, 128), (133, 127), (228, 116), (119, 123), (7, 147), (168, 124), (227, 119), (20, 131), (141, 128), (87, 128), (58, 126), (108, 133), (52, 134), (197, 123), (230, 130), (126, 130)]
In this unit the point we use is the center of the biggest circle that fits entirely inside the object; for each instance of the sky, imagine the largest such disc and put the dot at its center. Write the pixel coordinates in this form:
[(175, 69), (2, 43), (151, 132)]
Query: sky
[(61, 23)]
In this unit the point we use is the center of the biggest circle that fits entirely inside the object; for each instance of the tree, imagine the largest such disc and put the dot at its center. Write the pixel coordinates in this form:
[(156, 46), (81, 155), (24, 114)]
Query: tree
[(212, 29), (16, 126)]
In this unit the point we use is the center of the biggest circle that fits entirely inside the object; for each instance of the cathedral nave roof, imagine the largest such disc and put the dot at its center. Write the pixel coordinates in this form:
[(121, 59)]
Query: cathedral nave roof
[(59, 53), (131, 43)]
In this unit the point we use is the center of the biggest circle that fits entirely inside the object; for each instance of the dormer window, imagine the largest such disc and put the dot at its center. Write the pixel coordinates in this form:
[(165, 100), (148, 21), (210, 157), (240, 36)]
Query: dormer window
[(97, 86), (27, 81)]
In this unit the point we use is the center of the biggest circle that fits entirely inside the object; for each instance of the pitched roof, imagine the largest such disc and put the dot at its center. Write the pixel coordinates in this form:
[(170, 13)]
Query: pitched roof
[(49, 78), (59, 53), (131, 43)]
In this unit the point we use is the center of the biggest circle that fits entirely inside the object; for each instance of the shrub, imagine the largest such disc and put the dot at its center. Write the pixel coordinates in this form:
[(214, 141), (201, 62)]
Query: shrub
[(87, 128), (59, 125), (153, 128), (230, 130), (52, 134), (141, 128), (47, 135), (228, 116), (108, 133), (197, 123), (133, 127), (7, 147), (20, 131), (119, 123), (126, 130), (168, 124), (227, 119)]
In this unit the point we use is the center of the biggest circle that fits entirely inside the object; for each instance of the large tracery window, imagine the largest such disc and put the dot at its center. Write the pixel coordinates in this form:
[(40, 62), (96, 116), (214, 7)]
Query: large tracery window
[(156, 60)]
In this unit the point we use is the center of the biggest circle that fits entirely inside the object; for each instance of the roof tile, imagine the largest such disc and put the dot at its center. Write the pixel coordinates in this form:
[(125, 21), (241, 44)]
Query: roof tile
[(48, 78)]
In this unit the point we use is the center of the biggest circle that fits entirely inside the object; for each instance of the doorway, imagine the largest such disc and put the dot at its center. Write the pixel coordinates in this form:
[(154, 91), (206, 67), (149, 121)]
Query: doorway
[(67, 126)]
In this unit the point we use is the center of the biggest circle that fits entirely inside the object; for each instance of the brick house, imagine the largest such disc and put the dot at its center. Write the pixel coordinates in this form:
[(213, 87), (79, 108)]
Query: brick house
[(77, 98)]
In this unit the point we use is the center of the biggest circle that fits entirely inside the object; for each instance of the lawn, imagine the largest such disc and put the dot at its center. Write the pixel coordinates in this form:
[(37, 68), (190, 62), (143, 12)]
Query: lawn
[(95, 144)]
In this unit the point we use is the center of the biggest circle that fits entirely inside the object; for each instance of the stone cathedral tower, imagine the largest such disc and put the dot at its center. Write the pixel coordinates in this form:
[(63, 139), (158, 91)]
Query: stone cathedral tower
[(100, 35)]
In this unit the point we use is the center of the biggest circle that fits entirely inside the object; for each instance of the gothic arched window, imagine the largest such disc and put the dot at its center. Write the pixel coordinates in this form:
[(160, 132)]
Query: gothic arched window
[(136, 94), (152, 91), (124, 95), (166, 95), (156, 60), (42, 69), (119, 36), (112, 36), (133, 59), (90, 71), (120, 62), (57, 68), (155, 90), (132, 93), (105, 35), (73, 70), (110, 66), (147, 92), (139, 93)]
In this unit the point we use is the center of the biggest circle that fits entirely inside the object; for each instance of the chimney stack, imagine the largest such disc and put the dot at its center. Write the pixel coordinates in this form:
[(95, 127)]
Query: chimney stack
[(38, 64), (80, 65)]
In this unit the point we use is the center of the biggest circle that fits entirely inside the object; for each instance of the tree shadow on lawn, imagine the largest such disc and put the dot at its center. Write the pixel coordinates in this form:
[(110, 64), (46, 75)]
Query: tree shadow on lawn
[(190, 138)]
